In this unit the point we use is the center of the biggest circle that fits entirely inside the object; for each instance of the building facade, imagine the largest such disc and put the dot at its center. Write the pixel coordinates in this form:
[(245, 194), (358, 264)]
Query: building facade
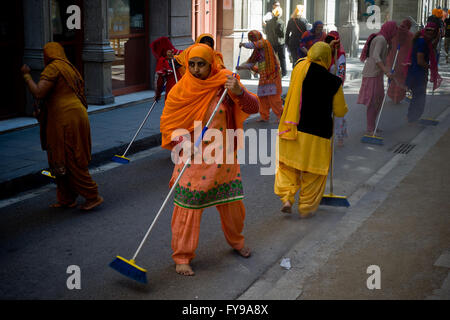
[(107, 40)]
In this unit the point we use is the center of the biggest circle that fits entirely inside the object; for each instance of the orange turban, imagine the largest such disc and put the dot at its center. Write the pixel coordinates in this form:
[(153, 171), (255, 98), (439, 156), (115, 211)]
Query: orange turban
[(190, 98), (182, 56), (202, 51)]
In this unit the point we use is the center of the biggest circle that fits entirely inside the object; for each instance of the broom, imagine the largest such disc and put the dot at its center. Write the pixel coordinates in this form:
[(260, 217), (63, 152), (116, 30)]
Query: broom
[(129, 268), (122, 159), (48, 174), (331, 199), (372, 139)]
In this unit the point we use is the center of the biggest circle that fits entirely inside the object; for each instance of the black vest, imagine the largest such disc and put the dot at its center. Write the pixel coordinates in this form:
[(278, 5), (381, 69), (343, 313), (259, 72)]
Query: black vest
[(319, 88)]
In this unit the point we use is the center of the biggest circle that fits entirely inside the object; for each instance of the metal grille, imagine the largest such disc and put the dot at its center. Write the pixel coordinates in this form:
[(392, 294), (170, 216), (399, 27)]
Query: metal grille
[(403, 148)]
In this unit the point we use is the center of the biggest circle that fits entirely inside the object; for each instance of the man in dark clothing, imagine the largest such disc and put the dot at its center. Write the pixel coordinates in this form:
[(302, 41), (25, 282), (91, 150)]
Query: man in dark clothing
[(275, 34)]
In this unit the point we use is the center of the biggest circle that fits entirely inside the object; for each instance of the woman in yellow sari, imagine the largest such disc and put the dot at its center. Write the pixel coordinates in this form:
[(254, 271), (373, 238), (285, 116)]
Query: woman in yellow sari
[(305, 129), (65, 130)]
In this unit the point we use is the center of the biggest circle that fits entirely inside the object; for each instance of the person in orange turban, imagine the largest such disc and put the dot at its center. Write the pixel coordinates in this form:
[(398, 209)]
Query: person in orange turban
[(209, 181), (205, 38)]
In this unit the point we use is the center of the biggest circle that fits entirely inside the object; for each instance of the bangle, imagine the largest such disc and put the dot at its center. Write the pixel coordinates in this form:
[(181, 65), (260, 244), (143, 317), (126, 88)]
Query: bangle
[(27, 77)]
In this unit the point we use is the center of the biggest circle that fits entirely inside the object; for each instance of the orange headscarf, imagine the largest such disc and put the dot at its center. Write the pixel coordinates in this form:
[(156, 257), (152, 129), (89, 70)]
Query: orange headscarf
[(54, 54), (190, 98)]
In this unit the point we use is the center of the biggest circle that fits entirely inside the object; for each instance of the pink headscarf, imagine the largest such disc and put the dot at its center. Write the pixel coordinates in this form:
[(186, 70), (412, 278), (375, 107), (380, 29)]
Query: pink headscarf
[(388, 31), (435, 78), (403, 31)]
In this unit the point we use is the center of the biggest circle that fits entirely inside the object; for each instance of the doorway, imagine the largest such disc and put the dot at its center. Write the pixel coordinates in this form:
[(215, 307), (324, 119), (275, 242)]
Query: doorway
[(12, 86)]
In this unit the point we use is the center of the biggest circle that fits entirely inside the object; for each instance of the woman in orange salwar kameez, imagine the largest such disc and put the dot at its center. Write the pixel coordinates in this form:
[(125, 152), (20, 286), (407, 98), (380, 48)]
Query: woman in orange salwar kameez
[(404, 37), (205, 183), (65, 130), (264, 62)]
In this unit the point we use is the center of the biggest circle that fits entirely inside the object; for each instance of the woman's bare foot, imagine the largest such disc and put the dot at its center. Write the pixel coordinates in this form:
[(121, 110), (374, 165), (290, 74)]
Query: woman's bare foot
[(63, 205), (307, 215), (287, 207), (91, 204), (184, 269), (244, 252)]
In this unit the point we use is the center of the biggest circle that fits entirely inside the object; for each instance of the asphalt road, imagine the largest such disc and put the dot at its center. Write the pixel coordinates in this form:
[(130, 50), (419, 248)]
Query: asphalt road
[(38, 244)]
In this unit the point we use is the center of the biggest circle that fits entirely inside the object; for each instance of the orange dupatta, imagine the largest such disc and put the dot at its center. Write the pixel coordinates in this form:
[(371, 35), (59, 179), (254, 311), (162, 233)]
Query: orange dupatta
[(54, 54), (190, 98)]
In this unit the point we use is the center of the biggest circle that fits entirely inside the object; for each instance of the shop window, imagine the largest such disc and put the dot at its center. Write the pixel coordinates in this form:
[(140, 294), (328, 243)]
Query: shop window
[(127, 36)]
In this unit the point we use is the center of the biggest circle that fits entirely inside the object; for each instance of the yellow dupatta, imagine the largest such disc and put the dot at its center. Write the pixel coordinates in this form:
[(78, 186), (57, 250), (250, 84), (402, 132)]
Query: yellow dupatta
[(289, 143), (319, 53)]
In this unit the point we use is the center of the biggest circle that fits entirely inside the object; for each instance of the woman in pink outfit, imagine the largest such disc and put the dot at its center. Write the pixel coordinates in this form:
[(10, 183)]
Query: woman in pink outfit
[(374, 55), (404, 37)]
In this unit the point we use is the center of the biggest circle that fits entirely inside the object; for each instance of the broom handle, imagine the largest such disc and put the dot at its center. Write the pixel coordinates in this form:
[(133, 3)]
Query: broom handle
[(140, 127), (387, 88), (240, 48), (332, 136), (179, 176), (174, 70)]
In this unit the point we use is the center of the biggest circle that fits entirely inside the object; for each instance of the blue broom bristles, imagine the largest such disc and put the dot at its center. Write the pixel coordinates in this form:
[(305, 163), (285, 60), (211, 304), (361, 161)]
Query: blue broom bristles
[(120, 159), (335, 201), (129, 269), (372, 140)]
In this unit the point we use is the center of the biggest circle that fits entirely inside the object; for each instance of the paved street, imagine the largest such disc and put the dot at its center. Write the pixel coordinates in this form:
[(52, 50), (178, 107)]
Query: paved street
[(329, 253), (37, 244)]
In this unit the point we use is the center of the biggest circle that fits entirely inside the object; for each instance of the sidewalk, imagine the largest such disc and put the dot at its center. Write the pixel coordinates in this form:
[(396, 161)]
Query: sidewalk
[(398, 221), (112, 128), (408, 237)]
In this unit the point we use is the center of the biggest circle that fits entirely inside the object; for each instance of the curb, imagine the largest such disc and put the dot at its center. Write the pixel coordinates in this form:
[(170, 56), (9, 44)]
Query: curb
[(34, 180)]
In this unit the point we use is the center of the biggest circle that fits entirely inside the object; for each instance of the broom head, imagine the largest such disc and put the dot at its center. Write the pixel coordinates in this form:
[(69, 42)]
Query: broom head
[(48, 174), (130, 269), (428, 122), (334, 200), (372, 140), (120, 159)]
